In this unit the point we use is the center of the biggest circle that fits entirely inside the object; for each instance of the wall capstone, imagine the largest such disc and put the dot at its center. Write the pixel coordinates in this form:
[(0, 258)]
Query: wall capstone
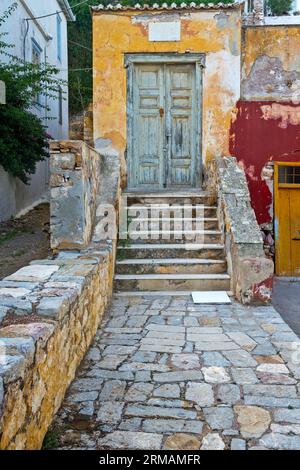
[(251, 272)]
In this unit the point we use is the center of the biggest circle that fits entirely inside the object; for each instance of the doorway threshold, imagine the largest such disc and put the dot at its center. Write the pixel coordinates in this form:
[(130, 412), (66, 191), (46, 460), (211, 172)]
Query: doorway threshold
[(166, 192)]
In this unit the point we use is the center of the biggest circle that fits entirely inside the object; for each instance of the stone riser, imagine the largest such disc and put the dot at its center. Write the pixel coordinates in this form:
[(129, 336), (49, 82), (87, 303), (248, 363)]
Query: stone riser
[(207, 200), (144, 211), (151, 246), (175, 225), (160, 253), (207, 239), (207, 268), (167, 285)]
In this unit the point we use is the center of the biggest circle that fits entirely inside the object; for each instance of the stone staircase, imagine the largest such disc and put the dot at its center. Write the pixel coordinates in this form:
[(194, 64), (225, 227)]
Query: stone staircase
[(176, 245)]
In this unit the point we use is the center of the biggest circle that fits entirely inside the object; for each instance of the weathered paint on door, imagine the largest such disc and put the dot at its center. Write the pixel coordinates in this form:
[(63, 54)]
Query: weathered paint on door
[(287, 218), (164, 146)]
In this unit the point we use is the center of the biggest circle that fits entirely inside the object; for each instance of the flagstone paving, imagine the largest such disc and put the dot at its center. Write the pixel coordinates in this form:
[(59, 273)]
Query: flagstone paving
[(164, 373)]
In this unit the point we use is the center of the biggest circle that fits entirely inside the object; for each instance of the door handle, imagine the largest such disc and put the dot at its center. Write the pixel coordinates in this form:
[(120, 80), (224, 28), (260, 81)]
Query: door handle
[(161, 112)]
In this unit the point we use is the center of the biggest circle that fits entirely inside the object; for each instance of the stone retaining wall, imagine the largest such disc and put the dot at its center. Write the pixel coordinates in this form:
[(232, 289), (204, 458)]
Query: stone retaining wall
[(50, 310), (53, 309), (251, 272)]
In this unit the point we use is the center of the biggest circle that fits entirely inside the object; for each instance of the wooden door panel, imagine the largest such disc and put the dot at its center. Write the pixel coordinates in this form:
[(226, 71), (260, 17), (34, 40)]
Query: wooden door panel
[(295, 230), (180, 125), (283, 254), (164, 117), (148, 132), (148, 149)]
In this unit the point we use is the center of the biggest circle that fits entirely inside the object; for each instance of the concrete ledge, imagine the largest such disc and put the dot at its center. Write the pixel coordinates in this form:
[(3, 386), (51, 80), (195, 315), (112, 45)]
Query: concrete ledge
[(52, 310), (251, 272)]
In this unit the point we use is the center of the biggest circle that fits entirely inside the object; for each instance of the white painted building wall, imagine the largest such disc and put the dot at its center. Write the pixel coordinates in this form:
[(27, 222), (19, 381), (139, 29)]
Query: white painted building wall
[(296, 6), (26, 36), (249, 5)]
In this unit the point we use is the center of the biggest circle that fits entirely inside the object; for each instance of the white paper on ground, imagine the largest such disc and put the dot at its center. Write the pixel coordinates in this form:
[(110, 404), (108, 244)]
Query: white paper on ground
[(211, 297)]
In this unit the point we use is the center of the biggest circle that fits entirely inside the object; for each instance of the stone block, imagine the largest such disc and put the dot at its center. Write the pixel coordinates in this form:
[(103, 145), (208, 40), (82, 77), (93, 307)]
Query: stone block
[(33, 273), (126, 440), (202, 394), (52, 307)]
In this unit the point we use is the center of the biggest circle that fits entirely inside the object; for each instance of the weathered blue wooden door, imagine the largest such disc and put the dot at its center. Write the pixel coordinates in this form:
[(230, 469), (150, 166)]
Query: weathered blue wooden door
[(164, 138)]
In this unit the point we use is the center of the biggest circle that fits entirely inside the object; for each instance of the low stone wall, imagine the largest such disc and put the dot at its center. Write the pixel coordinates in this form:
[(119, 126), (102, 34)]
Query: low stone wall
[(52, 310), (85, 184), (81, 126), (251, 272), (75, 182)]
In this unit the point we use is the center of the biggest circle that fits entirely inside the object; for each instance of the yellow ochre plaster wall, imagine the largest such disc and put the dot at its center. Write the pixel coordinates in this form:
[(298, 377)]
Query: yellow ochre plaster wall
[(216, 33), (271, 64)]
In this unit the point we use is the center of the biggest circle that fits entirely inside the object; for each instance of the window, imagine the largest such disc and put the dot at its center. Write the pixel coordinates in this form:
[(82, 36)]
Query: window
[(60, 105), (289, 174), (36, 52), (296, 6), (59, 43), (36, 57), (249, 6)]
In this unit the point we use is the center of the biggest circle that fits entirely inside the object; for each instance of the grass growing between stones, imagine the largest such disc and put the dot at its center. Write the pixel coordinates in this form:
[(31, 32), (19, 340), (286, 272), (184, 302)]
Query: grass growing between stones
[(13, 233), (51, 439), (4, 237)]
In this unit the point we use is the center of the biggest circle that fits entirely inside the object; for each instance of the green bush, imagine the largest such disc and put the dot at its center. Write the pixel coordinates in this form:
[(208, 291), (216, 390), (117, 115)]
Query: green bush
[(279, 7)]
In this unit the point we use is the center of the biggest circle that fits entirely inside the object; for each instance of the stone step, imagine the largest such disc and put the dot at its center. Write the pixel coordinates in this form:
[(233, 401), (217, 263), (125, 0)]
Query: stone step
[(171, 266), (176, 236), (149, 293), (159, 223), (167, 282), (171, 250), (176, 210), (158, 256), (183, 197)]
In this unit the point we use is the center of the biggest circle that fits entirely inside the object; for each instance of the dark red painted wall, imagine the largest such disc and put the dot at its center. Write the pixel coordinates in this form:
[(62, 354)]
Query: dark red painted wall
[(255, 140)]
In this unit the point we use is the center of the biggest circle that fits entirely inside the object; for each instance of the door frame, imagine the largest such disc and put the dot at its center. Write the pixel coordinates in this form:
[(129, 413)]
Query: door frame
[(130, 60), (277, 187)]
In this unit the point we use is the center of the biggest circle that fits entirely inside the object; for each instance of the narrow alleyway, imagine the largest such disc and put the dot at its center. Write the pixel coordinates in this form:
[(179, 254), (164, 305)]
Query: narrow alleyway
[(286, 300), (164, 373)]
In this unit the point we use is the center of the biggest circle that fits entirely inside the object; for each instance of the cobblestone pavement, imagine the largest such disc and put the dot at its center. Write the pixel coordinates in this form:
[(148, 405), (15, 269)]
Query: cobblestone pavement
[(164, 373)]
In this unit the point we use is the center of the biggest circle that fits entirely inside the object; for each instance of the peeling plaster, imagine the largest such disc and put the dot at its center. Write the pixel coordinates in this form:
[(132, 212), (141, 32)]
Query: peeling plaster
[(271, 64), (256, 142), (222, 20), (115, 35), (101, 143), (284, 113), (152, 18), (268, 78)]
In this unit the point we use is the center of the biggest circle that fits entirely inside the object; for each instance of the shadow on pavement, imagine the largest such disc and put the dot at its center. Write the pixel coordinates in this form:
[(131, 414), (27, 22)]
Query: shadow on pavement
[(286, 300)]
